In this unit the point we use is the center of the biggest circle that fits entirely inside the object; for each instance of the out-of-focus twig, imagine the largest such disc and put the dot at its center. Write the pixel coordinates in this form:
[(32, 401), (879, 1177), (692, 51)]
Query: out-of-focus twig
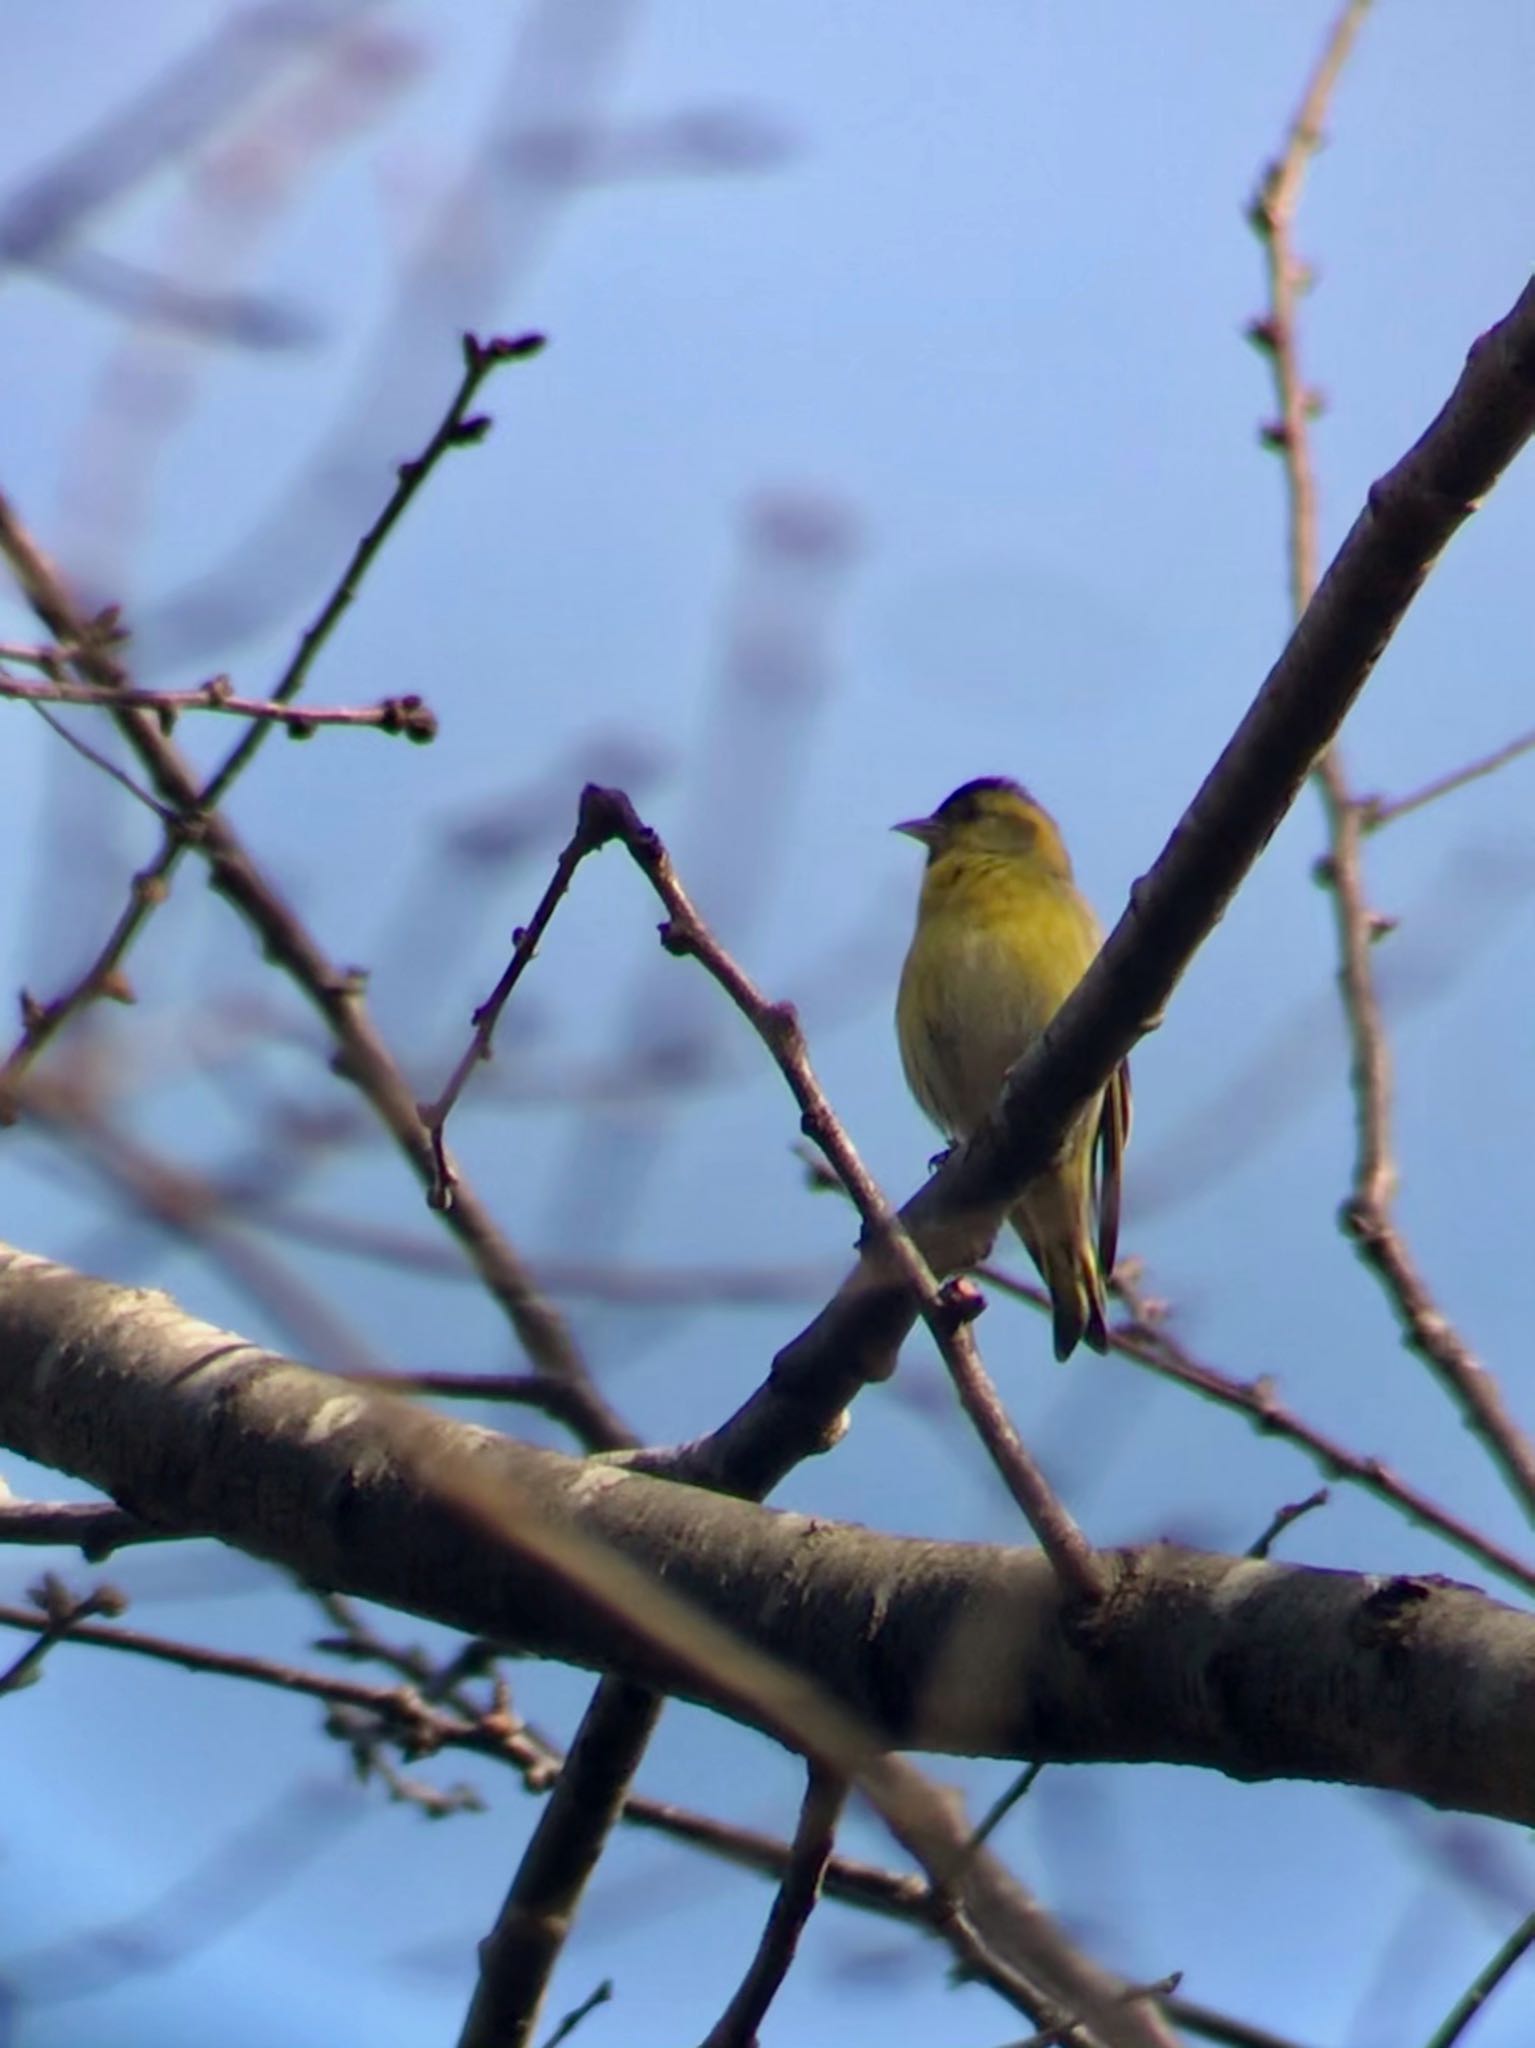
[(59, 1614), (1367, 1212), (42, 220)]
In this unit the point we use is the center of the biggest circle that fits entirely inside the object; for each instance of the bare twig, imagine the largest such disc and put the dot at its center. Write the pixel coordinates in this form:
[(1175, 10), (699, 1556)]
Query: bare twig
[(84, 648), (109, 768), (1283, 1517), (37, 654), (578, 2013), (592, 833), (59, 1614), (1000, 1808), (104, 978), (456, 429), (1061, 1540), (1482, 1986), (1366, 1213), (798, 1891), (1148, 1341), (407, 714), (1376, 811)]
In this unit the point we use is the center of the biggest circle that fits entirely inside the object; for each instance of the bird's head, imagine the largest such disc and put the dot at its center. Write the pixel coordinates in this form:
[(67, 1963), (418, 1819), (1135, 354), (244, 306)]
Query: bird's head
[(991, 816)]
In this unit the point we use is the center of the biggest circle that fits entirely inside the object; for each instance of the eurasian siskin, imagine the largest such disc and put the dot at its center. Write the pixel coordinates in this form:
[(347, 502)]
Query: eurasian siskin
[(1003, 936)]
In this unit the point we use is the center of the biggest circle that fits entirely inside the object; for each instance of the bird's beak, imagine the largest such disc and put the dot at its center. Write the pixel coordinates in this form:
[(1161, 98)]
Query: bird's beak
[(925, 829)]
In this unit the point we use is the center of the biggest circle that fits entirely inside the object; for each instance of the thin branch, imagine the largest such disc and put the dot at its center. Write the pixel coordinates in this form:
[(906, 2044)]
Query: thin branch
[(1482, 1986), (1376, 811), (591, 834), (104, 977), (50, 659), (1366, 1214), (1271, 215), (109, 768), (577, 2014), (1148, 1341), (95, 1528), (60, 1614), (456, 429), (406, 714), (798, 1891), (1284, 1517), (1076, 1565), (1000, 1808)]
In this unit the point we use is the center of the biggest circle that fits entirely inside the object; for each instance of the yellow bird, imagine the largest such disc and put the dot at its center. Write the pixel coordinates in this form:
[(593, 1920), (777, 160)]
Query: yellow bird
[(1003, 937)]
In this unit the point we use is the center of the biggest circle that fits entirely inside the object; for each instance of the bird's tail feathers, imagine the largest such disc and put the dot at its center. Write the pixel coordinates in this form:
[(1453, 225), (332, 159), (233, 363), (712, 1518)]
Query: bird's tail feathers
[(1052, 1219)]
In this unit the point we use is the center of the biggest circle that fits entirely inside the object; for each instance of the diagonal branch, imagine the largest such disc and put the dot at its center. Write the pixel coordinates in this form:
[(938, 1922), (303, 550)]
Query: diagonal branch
[(1408, 519)]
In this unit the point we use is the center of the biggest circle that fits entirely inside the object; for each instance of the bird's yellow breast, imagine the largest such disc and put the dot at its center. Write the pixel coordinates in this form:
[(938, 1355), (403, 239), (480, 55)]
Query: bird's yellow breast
[(1000, 943)]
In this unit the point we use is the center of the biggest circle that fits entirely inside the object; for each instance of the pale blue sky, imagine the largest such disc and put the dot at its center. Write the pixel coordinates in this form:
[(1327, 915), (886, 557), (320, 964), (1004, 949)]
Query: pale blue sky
[(974, 294)]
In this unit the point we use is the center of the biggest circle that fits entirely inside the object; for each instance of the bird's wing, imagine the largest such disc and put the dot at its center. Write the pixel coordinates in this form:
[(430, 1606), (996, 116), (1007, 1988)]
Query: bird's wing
[(1113, 1136)]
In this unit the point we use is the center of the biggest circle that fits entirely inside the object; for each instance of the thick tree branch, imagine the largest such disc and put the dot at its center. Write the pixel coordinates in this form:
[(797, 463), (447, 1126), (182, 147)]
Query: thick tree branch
[(1255, 1669), (340, 1485)]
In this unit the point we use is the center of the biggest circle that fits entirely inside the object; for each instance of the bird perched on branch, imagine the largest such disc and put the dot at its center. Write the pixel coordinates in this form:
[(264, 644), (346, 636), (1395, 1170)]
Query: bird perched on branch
[(1003, 937)]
